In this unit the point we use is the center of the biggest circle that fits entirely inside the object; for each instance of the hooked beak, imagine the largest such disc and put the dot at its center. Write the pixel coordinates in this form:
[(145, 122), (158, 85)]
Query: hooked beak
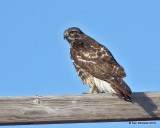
[(65, 34)]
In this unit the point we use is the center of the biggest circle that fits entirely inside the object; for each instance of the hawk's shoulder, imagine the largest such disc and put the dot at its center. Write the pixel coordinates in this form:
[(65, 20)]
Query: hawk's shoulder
[(95, 58)]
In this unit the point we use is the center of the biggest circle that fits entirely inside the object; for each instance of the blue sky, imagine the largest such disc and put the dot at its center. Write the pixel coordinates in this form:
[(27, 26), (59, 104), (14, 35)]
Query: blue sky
[(35, 58)]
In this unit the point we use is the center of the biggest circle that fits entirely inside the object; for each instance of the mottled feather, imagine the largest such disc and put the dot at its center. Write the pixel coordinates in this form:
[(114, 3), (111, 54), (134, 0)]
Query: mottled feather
[(95, 64)]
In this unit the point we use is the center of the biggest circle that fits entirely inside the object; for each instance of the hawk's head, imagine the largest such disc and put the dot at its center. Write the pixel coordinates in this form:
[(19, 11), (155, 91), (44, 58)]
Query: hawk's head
[(72, 34)]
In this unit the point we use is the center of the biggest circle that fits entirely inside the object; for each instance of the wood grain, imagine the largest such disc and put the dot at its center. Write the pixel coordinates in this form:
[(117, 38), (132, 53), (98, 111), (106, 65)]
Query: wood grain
[(78, 108)]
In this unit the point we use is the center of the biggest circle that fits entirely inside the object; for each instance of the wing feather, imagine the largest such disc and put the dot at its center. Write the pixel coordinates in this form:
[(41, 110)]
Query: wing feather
[(98, 61)]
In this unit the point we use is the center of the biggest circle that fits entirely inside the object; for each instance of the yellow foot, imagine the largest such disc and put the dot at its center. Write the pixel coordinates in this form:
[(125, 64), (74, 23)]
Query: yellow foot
[(93, 93)]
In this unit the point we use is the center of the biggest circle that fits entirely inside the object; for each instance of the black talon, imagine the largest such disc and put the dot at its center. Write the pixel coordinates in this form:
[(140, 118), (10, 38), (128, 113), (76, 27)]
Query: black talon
[(100, 91), (84, 93)]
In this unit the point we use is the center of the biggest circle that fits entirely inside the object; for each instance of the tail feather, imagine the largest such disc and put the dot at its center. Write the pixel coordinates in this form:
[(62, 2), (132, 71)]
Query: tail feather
[(125, 97), (122, 90)]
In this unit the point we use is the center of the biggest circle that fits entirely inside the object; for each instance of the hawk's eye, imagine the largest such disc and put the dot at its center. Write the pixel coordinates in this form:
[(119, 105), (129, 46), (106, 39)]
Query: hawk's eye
[(72, 32)]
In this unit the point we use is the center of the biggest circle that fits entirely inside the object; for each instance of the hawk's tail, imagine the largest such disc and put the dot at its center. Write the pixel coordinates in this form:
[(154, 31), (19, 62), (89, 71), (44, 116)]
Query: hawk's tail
[(124, 97), (122, 90)]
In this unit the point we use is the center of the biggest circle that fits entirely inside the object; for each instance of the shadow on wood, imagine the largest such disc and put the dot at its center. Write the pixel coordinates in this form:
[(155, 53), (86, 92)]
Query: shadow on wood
[(146, 103)]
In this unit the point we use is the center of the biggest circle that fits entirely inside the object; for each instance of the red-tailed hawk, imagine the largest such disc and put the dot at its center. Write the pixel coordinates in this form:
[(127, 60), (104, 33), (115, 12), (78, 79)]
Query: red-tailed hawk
[(95, 65)]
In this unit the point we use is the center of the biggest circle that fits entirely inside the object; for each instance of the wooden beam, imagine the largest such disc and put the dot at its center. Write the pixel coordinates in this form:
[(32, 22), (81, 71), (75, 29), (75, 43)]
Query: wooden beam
[(78, 108)]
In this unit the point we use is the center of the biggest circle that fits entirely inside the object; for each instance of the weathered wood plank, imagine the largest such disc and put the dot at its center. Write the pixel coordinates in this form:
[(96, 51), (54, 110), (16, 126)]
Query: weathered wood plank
[(78, 108)]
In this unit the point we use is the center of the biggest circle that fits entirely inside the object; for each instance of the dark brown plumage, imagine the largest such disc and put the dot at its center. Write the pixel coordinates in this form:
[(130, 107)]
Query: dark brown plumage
[(96, 65)]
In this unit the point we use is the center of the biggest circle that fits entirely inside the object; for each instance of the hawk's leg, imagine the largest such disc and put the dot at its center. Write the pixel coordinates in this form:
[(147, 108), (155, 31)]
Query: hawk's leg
[(93, 90)]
